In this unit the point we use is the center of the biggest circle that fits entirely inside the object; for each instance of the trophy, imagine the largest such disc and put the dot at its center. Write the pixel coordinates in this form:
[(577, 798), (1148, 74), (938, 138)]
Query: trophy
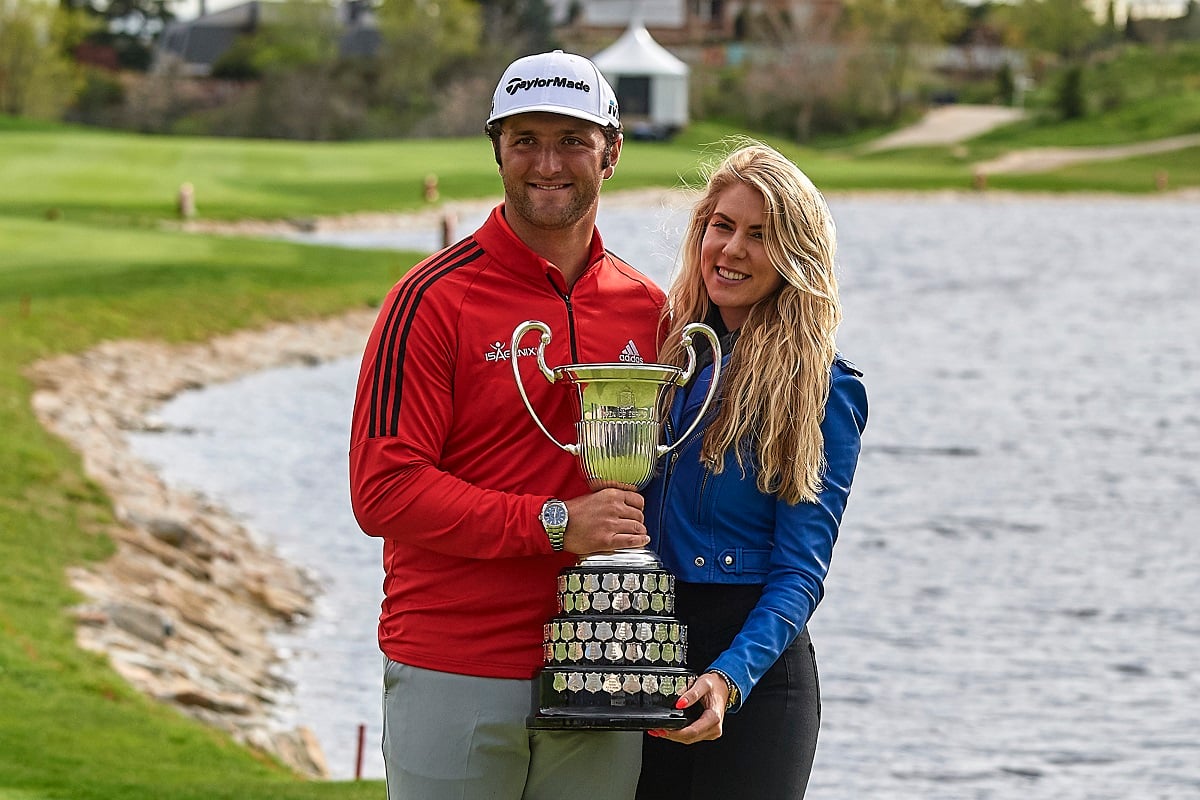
[(615, 656)]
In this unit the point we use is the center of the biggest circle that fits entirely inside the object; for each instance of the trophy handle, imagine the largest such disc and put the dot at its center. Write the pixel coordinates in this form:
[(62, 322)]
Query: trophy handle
[(551, 375), (688, 332)]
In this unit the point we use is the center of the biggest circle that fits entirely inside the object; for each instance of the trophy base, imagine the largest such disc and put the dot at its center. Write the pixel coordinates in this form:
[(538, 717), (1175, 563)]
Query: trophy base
[(600, 720), (637, 700)]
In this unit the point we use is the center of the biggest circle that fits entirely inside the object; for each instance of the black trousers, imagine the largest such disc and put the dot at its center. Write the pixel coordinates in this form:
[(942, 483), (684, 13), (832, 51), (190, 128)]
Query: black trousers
[(767, 748)]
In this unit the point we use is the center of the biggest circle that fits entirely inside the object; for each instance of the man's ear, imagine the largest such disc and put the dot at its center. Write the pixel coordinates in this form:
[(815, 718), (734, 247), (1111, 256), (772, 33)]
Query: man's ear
[(614, 153)]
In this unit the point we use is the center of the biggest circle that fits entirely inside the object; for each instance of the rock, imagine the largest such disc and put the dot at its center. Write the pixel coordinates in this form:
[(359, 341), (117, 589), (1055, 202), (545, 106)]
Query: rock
[(88, 615), (194, 696), (169, 531), (297, 748), (300, 747), (147, 624)]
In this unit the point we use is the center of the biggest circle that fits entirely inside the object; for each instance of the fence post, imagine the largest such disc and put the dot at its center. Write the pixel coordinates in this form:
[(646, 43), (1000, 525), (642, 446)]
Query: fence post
[(358, 760)]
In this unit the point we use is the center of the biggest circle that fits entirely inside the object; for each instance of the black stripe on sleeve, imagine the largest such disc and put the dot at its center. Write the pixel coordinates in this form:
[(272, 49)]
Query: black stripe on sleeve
[(385, 399)]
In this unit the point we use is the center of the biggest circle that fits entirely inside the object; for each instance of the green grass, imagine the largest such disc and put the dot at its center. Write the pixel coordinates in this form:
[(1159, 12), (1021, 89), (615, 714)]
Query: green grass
[(90, 175), (108, 178), (85, 257)]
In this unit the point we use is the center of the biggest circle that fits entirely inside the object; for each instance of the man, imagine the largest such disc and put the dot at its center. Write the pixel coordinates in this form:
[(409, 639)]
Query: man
[(468, 495)]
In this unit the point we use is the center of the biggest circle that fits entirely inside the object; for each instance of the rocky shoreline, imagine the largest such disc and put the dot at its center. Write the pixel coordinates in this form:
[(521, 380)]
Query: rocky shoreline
[(185, 606)]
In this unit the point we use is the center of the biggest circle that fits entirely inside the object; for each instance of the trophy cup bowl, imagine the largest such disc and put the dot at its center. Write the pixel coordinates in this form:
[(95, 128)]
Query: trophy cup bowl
[(615, 656)]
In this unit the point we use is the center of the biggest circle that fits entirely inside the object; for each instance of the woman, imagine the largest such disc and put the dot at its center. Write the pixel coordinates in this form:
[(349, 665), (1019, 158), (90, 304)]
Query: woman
[(747, 509)]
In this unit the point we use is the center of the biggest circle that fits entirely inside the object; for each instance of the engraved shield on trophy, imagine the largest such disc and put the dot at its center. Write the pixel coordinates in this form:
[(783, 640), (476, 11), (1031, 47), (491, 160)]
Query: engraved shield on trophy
[(615, 656)]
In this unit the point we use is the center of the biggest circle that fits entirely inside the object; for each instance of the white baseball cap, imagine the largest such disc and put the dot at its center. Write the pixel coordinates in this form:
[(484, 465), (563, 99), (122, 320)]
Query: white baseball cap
[(558, 82)]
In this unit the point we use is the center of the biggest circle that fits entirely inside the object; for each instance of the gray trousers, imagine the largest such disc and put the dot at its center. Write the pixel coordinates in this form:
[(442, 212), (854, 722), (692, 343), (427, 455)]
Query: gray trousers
[(459, 737)]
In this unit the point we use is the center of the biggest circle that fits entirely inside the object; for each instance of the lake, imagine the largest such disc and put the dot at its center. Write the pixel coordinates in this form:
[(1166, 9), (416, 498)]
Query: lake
[(1010, 609)]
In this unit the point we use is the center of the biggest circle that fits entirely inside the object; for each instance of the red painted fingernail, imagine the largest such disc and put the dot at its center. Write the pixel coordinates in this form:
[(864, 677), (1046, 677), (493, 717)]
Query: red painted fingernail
[(680, 703)]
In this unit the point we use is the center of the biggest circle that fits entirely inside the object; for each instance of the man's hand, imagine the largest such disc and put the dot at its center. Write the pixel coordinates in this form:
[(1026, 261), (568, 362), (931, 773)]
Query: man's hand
[(604, 521)]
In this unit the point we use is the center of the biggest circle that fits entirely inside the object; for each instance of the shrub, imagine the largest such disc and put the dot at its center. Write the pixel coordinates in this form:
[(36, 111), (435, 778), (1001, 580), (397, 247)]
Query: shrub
[(1072, 103)]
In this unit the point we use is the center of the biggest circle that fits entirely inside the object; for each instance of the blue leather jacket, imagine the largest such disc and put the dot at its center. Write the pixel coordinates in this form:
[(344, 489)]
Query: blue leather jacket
[(711, 528)]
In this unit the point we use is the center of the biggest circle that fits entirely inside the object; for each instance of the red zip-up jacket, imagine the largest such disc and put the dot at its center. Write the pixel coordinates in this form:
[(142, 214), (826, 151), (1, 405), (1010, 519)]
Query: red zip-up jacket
[(446, 464)]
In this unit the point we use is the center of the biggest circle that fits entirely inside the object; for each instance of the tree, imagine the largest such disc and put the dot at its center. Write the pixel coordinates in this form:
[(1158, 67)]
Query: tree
[(36, 77), (422, 39), (1065, 28), (895, 29), (305, 91), (1189, 25), (1071, 99), (129, 26), (1006, 85), (523, 26), (1109, 33), (303, 33), (798, 76)]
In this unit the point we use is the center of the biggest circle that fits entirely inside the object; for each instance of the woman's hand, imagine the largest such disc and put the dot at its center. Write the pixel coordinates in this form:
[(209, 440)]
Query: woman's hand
[(709, 689)]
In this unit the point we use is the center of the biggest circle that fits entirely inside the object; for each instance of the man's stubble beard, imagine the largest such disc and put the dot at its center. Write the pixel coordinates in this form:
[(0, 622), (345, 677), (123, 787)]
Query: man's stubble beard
[(584, 199)]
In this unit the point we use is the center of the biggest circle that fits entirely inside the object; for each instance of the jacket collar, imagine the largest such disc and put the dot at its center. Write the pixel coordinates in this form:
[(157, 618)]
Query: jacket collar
[(500, 242)]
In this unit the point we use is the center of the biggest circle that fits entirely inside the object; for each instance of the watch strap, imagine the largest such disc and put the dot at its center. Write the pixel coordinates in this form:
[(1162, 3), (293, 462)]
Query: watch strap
[(556, 530)]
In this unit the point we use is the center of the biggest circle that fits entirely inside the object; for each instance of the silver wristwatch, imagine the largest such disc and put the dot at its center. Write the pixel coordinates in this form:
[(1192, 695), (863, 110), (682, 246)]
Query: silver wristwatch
[(554, 520)]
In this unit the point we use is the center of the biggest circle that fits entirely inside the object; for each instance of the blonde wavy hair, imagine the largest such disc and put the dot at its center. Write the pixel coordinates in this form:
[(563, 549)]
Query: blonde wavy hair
[(776, 385)]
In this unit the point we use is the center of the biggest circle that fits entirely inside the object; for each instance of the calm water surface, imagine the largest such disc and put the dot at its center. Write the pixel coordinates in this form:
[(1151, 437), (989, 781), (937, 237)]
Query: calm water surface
[(1011, 607)]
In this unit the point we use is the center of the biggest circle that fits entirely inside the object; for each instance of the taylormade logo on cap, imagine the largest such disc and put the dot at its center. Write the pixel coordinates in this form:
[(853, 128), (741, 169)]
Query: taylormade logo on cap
[(517, 84), (556, 83)]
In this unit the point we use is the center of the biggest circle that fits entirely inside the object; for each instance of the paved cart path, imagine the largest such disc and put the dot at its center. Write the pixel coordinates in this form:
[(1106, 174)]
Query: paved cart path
[(1045, 159), (949, 125)]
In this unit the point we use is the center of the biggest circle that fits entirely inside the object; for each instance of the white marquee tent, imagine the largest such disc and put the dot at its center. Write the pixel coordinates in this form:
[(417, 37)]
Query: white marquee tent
[(651, 84)]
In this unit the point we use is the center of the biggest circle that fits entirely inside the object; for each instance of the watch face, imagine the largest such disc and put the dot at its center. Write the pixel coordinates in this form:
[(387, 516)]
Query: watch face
[(554, 515)]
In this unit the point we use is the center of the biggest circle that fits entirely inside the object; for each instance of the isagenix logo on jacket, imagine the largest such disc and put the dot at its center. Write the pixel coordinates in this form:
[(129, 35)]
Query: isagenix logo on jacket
[(499, 352)]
